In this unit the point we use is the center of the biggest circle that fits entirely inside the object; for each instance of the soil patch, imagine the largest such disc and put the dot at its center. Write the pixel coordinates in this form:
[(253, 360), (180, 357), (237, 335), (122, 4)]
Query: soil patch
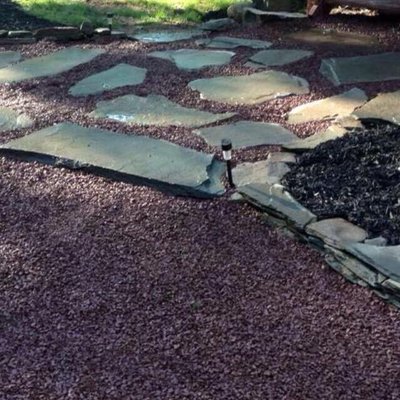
[(356, 177)]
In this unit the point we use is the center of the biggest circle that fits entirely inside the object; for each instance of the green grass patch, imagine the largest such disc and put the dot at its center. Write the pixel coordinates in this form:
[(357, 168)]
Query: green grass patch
[(73, 12)]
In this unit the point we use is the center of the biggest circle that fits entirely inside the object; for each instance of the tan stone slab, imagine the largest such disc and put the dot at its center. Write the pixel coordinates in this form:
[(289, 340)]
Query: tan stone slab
[(250, 89), (336, 232), (192, 59), (329, 108), (51, 64), (386, 106), (10, 120), (154, 110)]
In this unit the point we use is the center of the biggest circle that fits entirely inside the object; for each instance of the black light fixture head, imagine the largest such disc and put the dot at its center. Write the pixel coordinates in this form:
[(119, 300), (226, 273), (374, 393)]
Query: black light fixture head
[(226, 146)]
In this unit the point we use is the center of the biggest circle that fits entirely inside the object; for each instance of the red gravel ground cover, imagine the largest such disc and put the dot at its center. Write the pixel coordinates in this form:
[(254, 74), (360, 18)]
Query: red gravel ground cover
[(111, 291)]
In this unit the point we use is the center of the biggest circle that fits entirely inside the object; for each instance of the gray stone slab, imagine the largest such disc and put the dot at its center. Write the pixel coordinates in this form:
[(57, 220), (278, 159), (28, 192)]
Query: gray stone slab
[(167, 36), (373, 68), (228, 42), (277, 201), (9, 57), (329, 108), (154, 110), (282, 156), (386, 106), (270, 58), (217, 25), (191, 59), (333, 132), (118, 76), (51, 64), (137, 159), (252, 14), (336, 232), (386, 260), (330, 38), (247, 134), (250, 89), (10, 119)]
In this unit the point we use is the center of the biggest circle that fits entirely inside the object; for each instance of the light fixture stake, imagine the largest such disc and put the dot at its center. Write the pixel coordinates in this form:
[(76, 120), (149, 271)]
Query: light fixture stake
[(226, 146), (110, 17)]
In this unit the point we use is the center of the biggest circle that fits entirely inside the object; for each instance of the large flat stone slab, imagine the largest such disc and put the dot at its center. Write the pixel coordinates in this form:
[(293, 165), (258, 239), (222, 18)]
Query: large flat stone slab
[(228, 42), (167, 36), (154, 110), (265, 171), (277, 201), (9, 57), (336, 232), (252, 14), (217, 25), (250, 89), (136, 159), (329, 108), (247, 134), (118, 76), (270, 58), (333, 132), (386, 260), (330, 38), (191, 59), (386, 106), (10, 119), (373, 68), (51, 64)]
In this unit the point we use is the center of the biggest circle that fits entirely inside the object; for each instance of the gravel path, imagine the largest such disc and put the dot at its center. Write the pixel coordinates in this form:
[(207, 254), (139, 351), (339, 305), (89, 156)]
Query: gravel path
[(110, 291)]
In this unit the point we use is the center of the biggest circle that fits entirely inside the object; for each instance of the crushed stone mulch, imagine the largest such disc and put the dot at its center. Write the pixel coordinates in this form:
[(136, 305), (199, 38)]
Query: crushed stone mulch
[(356, 177)]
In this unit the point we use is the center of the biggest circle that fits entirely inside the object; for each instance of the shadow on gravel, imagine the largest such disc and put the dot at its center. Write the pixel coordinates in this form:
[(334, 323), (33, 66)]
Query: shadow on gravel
[(13, 17)]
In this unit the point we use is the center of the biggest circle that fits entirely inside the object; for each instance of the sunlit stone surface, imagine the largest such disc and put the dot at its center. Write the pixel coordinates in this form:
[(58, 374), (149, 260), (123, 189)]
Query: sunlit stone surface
[(154, 110), (195, 59), (250, 89), (10, 119), (9, 57), (50, 64), (167, 36), (118, 76), (136, 159)]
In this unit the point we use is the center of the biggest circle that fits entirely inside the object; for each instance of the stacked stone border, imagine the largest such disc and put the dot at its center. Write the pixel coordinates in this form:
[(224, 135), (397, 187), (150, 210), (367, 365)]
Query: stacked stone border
[(345, 247)]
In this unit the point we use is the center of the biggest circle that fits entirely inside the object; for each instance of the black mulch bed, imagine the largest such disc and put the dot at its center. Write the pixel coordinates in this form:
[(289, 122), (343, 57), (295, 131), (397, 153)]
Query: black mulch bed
[(355, 177), (13, 17)]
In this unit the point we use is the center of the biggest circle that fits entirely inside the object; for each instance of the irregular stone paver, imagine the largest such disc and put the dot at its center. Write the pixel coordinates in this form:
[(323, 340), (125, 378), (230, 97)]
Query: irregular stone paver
[(329, 108), (384, 259), (251, 14), (50, 64), (247, 134), (250, 89), (167, 36), (336, 232), (221, 24), (137, 159), (9, 57), (385, 106), (10, 119), (118, 76), (264, 171), (334, 39), (333, 132), (277, 201), (195, 59), (227, 42), (282, 156), (349, 265), (154, 110), (269, 58), (373, 68)]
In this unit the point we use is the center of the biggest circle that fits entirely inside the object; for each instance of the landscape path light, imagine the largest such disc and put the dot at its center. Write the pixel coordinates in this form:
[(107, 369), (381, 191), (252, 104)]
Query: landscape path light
[(226, 146), (110, 17)]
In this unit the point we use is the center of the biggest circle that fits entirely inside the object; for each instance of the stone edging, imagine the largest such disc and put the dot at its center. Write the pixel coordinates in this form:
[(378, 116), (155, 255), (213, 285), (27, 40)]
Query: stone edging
[(346, 249), (59, 33)]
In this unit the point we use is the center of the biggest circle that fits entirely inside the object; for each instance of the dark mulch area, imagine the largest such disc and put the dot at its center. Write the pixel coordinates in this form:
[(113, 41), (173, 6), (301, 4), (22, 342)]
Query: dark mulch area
[(13, 17), (356, 177), (112, 291)]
